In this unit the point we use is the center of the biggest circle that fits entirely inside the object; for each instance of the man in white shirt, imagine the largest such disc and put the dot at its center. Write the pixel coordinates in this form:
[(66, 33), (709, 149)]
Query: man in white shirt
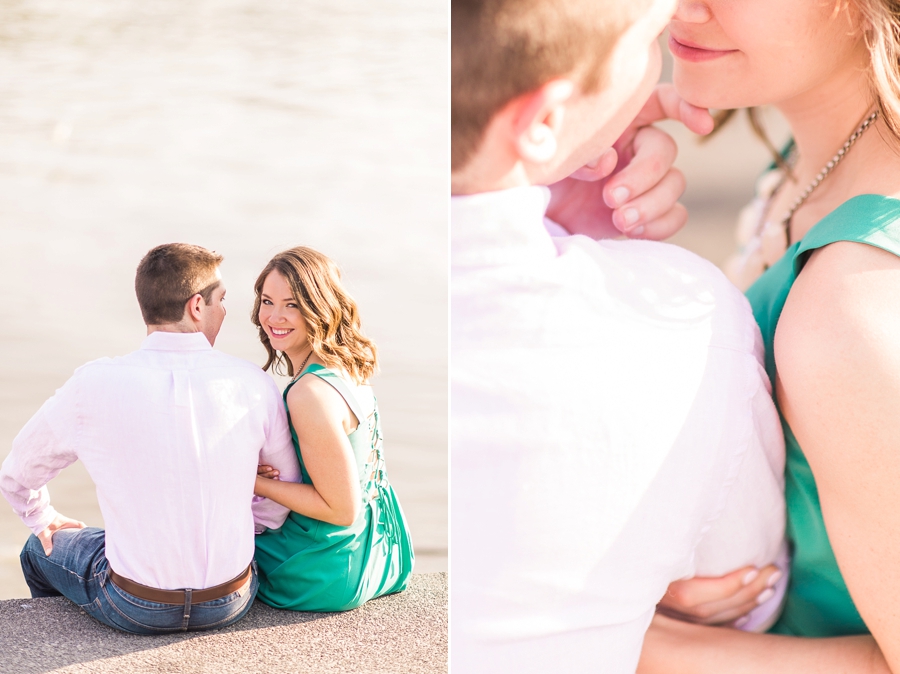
[(171, 435), (611, 424)]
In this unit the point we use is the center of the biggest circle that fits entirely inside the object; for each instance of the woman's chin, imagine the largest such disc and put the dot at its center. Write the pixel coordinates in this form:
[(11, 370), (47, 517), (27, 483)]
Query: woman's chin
[(705, 94)]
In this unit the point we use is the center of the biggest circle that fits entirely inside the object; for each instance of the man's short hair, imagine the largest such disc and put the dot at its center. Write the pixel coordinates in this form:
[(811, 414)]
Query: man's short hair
[(170, 275), (502, 49)]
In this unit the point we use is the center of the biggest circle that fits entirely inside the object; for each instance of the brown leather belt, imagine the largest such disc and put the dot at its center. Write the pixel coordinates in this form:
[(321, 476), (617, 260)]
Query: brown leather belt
[(178, 596)]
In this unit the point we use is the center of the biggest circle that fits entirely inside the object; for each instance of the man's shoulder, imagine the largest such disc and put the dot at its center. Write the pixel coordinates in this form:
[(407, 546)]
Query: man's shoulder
[(649, 262), (250, 373), (667, 286), (95, 367)]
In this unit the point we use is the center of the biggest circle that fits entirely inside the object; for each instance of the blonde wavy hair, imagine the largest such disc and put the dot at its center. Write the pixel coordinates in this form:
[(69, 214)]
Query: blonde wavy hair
[(881, 30), (332, 319)]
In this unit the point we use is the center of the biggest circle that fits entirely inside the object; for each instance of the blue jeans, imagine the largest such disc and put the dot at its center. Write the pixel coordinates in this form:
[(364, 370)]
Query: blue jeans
[(78, 570)]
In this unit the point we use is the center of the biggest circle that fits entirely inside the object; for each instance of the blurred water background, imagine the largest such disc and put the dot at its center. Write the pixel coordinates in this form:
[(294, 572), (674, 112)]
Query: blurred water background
[(245, 127)]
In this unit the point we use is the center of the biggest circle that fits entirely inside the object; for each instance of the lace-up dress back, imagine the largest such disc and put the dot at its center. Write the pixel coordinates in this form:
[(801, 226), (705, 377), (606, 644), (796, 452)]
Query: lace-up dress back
[(310, 565)]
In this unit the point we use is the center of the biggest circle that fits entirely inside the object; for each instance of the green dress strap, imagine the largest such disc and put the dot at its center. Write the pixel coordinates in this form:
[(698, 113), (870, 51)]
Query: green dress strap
[(818, 603), (338, 383), (872, 219)]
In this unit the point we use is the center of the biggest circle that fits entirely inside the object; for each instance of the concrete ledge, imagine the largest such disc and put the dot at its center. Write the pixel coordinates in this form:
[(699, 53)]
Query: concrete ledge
[(406, 632)]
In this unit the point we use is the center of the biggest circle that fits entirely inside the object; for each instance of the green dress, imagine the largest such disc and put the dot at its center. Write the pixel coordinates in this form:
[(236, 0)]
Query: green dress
[(818, 603), (310, 565)]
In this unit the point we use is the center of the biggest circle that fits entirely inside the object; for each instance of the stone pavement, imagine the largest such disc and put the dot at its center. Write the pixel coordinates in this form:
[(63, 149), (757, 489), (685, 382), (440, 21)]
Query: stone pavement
[(406, 632)]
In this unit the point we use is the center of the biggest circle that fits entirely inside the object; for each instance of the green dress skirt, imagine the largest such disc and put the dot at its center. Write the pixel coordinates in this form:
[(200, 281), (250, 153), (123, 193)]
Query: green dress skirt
[(310, 565), (818, 603)]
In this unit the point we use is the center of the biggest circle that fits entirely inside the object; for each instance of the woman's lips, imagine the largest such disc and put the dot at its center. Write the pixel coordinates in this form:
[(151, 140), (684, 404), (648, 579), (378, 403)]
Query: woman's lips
[(284, 332), (693, 53)]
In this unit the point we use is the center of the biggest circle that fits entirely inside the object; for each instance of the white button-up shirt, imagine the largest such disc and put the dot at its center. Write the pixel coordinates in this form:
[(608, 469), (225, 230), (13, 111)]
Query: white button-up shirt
[(612, 431), (171, 436)]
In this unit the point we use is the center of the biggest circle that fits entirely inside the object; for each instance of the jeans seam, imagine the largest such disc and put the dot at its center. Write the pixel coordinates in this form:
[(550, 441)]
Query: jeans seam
[(131, 619), (37, 561), (227, 619), (56, 564)]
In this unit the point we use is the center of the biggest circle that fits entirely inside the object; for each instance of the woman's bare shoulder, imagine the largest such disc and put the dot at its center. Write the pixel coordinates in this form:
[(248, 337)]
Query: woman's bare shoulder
[(846, 290), (836, 342), (310, 396)]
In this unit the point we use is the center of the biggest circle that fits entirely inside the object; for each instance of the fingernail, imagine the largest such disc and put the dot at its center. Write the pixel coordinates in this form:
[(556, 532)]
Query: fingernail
[(593, 164), (637, 231), (620, 196), (740, 622), (751, 576), (774, 578), (765, 596), (630, 216)]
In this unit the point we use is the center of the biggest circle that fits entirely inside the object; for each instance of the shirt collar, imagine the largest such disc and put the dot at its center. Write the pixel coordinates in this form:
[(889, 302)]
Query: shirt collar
[(176, 341), (503, 227)]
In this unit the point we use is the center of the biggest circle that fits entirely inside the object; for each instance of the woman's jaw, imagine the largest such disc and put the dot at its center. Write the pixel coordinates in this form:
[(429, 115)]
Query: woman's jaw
[(786, 53), (291, 341)]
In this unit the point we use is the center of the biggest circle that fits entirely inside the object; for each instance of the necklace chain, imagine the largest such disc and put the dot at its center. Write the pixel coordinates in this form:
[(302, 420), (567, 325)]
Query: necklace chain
[(828, 168), (302, 365)]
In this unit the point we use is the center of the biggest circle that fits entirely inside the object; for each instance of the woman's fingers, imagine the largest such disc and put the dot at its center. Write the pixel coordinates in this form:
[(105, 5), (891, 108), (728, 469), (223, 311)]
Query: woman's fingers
[(665, 103), (267, 471), (684, 595), (662, 227), (654, 151), (714, 601), (599, 168), (644, 216)]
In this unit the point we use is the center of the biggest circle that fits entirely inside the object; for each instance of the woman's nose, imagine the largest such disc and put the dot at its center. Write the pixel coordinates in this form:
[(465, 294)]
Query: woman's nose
[(693, 11)]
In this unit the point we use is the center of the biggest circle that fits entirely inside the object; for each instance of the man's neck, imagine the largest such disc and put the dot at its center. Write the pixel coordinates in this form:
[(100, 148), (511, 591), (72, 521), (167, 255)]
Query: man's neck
[(181, 326), (491, 169)]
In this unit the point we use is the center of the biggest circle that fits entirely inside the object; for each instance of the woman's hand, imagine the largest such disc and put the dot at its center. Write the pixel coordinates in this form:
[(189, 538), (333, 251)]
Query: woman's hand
[(320, 416), (720, 601), (633, 188), (267, 471)]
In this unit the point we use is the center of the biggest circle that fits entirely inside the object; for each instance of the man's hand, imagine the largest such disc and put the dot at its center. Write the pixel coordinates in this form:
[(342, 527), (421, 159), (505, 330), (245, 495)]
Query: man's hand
[(632, 188), (59, 522)]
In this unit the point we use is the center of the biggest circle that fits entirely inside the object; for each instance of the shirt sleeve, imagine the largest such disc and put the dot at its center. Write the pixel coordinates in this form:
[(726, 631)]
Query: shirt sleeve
[(750, 526), (39, 452), (279, 453), (554, 228)]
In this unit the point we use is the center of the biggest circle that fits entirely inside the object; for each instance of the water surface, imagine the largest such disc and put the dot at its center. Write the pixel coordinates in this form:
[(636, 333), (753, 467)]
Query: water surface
[(245, 127)]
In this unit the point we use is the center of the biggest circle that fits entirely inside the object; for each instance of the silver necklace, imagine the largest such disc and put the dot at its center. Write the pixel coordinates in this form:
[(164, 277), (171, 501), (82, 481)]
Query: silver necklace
[(828, 168), (302, 365)]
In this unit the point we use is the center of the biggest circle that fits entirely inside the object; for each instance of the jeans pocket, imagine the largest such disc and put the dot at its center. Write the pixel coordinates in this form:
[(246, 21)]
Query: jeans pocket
[(91, 608), (133, 614)]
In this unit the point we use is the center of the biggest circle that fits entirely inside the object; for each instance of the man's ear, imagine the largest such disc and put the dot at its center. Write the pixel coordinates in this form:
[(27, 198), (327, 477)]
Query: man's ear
[(538, 120), (192, 308)]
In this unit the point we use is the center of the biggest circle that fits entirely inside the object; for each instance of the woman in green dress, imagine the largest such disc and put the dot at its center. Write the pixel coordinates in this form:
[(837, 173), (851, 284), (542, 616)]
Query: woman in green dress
[(826, 234), (346, 540)]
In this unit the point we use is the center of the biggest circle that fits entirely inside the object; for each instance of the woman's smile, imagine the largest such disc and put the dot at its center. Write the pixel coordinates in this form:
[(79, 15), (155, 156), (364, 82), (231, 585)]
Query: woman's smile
[(277, 333), (687, 50)]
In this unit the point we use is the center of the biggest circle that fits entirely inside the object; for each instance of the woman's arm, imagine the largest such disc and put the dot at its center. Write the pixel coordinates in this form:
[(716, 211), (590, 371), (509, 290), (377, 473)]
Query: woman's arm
[(320, 418), (675, 647), (838, 354)]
